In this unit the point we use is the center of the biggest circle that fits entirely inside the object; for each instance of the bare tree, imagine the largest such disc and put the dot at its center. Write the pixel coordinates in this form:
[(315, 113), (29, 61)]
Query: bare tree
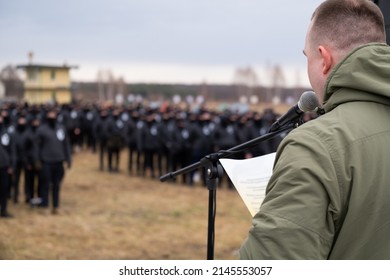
[(106, 85), (245, 80), (110, 85), (120, 86), (12, 82), (278, 82), (100, 84), (299, 88)]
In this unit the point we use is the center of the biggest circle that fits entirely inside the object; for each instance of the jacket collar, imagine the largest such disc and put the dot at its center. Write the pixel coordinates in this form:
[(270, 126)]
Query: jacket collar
[(364, 75)]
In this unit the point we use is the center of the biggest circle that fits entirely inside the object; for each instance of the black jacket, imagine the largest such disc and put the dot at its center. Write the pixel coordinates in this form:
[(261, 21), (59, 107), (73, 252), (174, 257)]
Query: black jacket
[(7, 150), (53, 144)]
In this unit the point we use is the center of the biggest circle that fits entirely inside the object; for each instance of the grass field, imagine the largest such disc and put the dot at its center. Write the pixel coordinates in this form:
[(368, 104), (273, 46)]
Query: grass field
[(111, 216)]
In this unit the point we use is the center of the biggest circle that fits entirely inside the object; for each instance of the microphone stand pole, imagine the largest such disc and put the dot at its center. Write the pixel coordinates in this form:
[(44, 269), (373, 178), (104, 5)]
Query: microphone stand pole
[(214, 171)]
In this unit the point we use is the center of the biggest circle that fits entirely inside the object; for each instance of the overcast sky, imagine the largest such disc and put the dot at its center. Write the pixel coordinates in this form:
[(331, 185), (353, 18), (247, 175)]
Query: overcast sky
[(188, 41)]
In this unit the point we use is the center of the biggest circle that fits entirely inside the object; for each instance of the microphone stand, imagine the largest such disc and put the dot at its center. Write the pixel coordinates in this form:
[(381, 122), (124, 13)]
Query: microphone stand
[(214, 171)]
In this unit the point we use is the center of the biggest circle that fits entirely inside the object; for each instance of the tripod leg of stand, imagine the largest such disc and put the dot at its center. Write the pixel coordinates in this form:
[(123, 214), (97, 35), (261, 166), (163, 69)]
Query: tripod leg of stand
[(214, 171), (211, 224)]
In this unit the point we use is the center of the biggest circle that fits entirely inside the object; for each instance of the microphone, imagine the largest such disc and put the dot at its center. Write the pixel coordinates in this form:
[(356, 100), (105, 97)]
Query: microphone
[(307, 102)]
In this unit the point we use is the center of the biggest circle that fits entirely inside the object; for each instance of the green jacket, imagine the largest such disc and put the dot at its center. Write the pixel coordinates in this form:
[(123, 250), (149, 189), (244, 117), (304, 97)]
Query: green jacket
[(329, 195)]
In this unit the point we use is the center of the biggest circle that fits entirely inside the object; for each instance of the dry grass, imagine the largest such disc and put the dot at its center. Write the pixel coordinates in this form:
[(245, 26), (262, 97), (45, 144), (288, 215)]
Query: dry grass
[(119, 216)]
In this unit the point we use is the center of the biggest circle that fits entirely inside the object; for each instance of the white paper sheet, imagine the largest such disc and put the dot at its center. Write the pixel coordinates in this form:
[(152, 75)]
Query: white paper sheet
[(250, 177)]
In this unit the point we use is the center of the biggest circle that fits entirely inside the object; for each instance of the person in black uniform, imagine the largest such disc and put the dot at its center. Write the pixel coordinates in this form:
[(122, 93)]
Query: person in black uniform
[(167, 129), (33, 182), (161, 145), (9, 127), (131, 139), (269, 118), (244, 133), (7, 121), (226, 134), (53, 149), (140, 124), (225, 137), (257, 129), (20, 136), (115, 140), (148, 144), (74, 128), (181, 146), (201, 134), (90, 117), (7, 163), (101, 132)]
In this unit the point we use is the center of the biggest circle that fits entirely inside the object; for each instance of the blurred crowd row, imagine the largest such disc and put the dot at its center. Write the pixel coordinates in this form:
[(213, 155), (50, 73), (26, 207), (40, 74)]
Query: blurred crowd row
[(158, 140)]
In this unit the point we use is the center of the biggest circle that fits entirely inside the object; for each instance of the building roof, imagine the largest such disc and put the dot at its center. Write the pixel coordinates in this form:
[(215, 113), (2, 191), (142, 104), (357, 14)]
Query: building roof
[(42, 66)]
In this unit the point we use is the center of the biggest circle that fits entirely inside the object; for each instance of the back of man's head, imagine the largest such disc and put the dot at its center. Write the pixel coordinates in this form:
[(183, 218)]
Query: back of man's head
[(347, 24)]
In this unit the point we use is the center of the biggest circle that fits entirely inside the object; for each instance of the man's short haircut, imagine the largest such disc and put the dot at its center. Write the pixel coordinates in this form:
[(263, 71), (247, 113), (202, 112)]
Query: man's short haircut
[(347, 24)]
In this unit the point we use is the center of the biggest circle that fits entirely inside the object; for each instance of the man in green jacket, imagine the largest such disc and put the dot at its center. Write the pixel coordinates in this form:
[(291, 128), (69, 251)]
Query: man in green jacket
[(329, 195)]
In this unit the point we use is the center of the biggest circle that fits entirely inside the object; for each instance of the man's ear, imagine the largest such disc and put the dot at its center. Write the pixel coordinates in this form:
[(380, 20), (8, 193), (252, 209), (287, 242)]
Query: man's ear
[(327, 59)]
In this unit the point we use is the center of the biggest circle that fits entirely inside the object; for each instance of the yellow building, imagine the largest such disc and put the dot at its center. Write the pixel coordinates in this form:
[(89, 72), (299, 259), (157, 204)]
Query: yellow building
[(47, 83)]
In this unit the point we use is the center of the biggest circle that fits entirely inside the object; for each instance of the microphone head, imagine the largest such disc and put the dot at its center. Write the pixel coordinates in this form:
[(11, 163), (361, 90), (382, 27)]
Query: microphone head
[(308, 101)]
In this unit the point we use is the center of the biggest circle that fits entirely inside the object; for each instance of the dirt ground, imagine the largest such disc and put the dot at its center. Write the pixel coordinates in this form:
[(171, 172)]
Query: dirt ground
[(113, 216)]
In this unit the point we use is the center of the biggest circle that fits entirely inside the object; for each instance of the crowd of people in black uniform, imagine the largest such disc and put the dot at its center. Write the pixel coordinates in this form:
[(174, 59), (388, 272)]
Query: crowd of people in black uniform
[(38, 141)]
